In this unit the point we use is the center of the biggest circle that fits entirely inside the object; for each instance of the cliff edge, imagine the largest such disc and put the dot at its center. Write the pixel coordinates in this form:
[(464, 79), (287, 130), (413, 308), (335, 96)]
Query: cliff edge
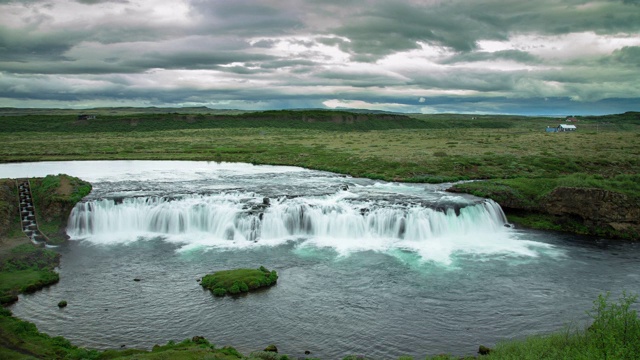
[(586, 211)]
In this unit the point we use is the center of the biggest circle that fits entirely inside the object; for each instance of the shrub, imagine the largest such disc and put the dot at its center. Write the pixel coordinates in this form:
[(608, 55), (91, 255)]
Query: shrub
[(219, 292), (228, 350), (235, 288), (616, 328)]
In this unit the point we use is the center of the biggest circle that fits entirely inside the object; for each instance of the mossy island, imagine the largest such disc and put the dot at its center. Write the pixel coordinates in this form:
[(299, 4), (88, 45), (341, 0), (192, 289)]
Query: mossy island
[(239, 281)]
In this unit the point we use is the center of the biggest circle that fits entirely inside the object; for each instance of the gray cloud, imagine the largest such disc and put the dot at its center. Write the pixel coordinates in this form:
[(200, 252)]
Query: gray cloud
[(297, 53), (628, 55), (395, 26), (513, 55)]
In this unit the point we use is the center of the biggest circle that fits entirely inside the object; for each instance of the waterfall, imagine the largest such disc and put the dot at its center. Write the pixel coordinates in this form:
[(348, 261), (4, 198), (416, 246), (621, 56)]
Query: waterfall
[(244, 217)]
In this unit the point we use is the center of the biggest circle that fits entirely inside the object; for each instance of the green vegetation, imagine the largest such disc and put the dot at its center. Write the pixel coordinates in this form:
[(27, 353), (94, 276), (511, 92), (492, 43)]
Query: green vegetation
[(529, 191), (9, 212), (238, 281), (421, 148), (526, 202), (22, 340), (26, 269), (54, 197), (614, 334)]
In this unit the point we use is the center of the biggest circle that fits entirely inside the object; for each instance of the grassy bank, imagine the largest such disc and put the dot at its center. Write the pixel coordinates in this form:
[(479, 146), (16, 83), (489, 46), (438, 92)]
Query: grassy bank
[(26, 269), (613, 334), (530, 202), (9, 211)]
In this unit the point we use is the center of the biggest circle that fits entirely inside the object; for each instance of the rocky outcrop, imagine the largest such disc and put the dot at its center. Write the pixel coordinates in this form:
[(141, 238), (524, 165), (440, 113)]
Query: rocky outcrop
[(588, 211), (599, 210), (54, 198), (271, 348)]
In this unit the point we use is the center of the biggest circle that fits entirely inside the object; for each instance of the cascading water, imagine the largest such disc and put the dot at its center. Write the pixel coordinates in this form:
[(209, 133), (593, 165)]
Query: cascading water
[(341, 221), (239, 218)]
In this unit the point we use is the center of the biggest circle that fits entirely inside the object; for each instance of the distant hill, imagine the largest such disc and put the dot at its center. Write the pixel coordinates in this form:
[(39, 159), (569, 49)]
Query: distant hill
[(7, 111), (41, 121)]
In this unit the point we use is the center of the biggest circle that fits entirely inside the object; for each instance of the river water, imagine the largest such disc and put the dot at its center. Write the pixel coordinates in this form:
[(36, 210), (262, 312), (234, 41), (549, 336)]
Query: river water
[(366, 267)]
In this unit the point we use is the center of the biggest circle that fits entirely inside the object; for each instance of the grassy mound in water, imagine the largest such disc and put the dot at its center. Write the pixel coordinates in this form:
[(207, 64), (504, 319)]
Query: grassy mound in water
[(238, 281)]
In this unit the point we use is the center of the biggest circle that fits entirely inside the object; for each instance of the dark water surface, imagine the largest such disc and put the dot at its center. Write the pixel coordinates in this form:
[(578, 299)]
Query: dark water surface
[(378, 269)]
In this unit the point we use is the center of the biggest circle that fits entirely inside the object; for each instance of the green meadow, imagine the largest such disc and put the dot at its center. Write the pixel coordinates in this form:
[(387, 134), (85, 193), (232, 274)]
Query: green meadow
[(417, 148)]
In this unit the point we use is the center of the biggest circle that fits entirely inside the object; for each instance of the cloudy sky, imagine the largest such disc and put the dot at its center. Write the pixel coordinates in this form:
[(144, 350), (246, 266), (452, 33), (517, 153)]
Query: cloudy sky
[(428, 56)]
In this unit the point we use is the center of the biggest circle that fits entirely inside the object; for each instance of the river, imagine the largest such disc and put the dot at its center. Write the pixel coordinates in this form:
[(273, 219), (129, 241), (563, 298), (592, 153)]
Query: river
[(366, 267)]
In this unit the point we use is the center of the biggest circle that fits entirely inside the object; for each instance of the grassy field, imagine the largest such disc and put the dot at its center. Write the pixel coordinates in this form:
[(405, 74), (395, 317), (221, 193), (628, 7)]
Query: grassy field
[(420, 149)]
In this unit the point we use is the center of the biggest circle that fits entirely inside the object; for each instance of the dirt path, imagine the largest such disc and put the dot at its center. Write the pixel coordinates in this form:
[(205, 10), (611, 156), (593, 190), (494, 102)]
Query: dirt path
[(65, 187)]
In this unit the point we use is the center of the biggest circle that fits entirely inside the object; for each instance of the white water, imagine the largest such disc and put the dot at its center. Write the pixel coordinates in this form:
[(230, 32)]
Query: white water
[(219, 205), (340, 221)]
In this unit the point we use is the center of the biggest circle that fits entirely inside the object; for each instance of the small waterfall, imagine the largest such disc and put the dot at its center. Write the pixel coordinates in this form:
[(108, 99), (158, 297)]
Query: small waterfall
[(243, 217)]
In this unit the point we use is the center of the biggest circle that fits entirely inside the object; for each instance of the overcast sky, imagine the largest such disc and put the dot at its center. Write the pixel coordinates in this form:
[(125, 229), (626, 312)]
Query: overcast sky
[(428, 56)]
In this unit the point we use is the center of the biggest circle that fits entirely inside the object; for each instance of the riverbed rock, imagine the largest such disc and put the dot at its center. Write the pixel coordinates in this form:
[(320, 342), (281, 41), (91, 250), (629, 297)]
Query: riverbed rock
[(483, 350), (199, 340), (62, 304), (271, 348)]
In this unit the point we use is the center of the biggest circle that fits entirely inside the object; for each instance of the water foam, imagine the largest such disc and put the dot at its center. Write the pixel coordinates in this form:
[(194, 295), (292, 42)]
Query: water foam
[(341, 221)]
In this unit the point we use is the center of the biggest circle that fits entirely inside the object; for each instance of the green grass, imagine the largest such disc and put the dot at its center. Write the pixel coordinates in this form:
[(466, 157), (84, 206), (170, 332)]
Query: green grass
[(613, 334), (26, 269), (238, 280), (9, 213), (21, 339), (417, 149), (523, 200)]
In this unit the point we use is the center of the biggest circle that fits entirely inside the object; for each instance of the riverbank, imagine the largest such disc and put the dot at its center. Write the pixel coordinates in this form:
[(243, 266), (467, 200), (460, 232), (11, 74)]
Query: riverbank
[(25, 267), (578, 203)]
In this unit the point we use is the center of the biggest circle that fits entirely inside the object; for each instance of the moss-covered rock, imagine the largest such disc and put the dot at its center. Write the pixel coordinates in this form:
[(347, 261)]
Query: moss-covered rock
[(238, 281), (271, 348)]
